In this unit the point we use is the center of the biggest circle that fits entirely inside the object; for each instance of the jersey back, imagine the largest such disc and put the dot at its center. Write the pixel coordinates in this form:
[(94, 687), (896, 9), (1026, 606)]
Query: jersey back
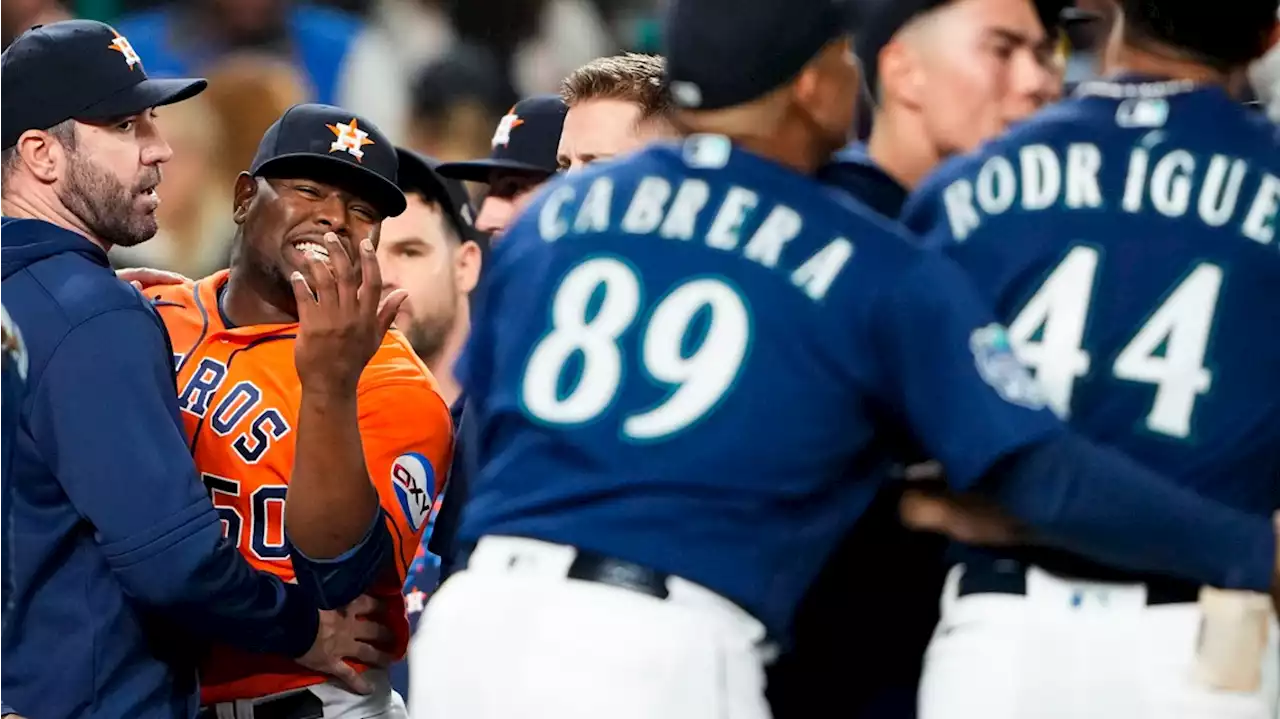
[(239, 396), (688, 359), (1128, 238)]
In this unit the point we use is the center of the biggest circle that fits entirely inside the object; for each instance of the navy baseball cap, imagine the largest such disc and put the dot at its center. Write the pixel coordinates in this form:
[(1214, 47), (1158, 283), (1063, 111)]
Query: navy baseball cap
[(880, 20), (722, 53), (313, 138), (526, 141), (418, 174), (77, 69)]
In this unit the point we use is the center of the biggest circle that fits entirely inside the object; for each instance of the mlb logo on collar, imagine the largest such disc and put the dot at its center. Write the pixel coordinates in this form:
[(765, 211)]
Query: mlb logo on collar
[(121, 45)]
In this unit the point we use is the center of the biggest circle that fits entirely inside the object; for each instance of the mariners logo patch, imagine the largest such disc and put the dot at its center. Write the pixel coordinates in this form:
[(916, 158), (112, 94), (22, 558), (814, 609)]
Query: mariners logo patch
[(1000, 368), (415, 481)]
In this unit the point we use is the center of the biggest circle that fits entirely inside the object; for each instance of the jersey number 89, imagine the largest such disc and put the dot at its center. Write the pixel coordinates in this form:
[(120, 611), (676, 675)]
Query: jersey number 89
[(699, 380), (1168, 351)]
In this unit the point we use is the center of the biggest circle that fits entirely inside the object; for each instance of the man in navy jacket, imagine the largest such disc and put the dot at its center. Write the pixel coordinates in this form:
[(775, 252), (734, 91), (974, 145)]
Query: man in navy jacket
[(115, 543)]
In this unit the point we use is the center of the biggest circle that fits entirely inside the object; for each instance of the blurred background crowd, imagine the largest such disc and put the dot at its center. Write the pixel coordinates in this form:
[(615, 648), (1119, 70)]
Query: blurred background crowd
[(435, 75)]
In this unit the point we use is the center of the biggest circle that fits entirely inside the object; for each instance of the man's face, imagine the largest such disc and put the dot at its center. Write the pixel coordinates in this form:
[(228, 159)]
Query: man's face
[(509, 193), (983, 67), (603, 128), (419, 253), (110, 178), (284, 220)]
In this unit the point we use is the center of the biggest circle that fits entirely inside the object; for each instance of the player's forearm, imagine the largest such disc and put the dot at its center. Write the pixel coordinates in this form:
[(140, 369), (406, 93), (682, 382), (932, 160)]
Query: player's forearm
[(331, 502), (1099, 503)]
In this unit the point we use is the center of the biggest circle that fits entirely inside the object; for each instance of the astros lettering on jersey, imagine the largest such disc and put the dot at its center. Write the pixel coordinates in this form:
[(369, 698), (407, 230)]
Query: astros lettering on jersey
[(238, 392)]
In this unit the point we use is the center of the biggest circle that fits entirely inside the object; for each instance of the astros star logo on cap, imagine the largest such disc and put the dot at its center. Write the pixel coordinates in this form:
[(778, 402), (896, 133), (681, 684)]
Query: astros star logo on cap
[(509, 122), (350, 138), (122, 46)]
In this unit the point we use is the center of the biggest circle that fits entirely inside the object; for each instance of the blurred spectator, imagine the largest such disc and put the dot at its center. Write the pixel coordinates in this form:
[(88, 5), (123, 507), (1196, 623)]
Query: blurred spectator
[(248, 92), (344, 61), (195, 225), (17, 16), (455, 103), (537, 42), (420, 31)]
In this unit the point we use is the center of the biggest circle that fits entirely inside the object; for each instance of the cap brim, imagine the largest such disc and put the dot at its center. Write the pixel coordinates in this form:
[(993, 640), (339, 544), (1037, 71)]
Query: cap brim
[(145, 95), (384, 194), (478, 170)]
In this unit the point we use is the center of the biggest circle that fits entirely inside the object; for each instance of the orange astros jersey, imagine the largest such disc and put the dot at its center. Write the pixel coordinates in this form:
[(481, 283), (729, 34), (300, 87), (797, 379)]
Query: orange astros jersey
[(239, 393)]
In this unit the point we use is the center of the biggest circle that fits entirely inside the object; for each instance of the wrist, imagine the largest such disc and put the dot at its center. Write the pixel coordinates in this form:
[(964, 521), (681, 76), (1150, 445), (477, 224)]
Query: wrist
[(329, 392)]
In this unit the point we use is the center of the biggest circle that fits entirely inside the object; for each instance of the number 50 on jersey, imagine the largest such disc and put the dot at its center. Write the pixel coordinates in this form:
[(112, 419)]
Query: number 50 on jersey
[(699, 374)]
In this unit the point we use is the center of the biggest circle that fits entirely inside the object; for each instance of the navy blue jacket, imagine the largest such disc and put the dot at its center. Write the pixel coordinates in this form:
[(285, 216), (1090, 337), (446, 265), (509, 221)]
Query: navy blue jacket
[(116, 546)]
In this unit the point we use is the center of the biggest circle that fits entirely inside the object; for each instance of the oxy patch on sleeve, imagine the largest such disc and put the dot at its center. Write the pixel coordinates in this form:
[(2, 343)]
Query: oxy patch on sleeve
[(414, 480)]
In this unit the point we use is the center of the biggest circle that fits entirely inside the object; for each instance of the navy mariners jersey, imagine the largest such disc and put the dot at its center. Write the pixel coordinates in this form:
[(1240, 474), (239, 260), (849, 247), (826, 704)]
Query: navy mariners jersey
[(693, 358), (1128, 238), (11, 395)]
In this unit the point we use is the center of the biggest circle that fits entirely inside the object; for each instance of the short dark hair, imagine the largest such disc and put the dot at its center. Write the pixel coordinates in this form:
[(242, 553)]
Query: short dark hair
[(1223, 35), (64, 132)]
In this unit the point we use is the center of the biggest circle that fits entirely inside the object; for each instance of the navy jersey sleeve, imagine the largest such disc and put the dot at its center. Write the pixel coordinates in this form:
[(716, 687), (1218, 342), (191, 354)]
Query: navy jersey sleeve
[(106, 420), (947, 367)]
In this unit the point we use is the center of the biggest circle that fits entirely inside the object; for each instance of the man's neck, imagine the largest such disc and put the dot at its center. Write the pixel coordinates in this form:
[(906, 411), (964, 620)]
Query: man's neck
[(245, 304), (441, 365), (36, 208), (897, 146)]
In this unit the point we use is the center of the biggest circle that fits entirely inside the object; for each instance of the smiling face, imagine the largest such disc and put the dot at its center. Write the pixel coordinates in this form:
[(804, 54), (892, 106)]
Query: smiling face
[(283, 220)]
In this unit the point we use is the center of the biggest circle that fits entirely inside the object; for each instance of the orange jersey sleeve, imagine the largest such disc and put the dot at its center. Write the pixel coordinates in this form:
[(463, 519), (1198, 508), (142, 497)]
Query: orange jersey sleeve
[(407, 433)]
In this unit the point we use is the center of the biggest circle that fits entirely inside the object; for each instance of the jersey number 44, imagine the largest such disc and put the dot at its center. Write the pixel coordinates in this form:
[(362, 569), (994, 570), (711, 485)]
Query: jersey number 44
[(1167, 351)]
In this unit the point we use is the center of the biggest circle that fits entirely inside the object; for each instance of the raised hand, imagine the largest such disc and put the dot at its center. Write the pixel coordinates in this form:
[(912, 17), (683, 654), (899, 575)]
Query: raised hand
[(342, 316), (348, 633)]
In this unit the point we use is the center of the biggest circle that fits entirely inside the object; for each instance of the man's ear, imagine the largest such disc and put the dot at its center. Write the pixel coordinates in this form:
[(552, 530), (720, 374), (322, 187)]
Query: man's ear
[(43, 155), (246, 188), (467, 263), (900, 74)]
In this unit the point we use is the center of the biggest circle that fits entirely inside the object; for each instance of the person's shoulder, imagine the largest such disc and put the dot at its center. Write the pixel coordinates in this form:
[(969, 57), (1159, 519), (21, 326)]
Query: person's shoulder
[(81, 289), (395, 365)]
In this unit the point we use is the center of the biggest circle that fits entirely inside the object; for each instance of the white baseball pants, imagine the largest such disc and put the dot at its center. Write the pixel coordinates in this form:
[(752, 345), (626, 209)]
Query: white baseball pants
[(339, 702), (1080, 650), (511, 636)]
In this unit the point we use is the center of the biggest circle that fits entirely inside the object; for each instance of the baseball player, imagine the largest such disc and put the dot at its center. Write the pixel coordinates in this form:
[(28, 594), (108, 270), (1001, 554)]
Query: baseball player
[(616, 105), (927, 93), (116, 572), (523, 157), (1128, 238), (432, 252), (678, 357), (321, 436)]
